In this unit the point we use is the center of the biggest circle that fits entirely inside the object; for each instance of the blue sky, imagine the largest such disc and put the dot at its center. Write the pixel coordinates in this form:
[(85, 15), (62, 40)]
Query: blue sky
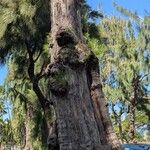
[(106, 6), (3, 73)]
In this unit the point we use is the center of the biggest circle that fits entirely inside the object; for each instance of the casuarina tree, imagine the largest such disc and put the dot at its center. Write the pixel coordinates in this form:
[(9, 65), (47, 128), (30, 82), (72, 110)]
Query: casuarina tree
[(82, 119)]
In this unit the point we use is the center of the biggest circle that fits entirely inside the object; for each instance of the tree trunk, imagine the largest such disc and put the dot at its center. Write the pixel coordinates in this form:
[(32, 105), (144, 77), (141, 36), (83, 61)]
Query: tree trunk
[(82, 118), (107, 135), (120, 130), (46, 129), (29, 117), (118, 121), (49, 133), (132, 120), (132, 107)]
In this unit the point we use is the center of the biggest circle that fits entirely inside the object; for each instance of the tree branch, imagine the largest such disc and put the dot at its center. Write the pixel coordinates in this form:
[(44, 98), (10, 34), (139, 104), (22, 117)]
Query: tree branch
[(38, 56), (34, 80), (143, 77), (42, 73)]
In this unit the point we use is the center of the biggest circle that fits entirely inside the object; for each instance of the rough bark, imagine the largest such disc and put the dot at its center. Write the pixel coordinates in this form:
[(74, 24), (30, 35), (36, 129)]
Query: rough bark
[(132, 106), (29, 117), (132, 120), (106, 131), (82, 119)]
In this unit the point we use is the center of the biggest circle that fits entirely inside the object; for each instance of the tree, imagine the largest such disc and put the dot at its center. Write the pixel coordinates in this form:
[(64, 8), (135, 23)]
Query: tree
[(124, 73), (73, 72), (30, 133), (22, 37), (6, 135), (81, 114), (142, 81)]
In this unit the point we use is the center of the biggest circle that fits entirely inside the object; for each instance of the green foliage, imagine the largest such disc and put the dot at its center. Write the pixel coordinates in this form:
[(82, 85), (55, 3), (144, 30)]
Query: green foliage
[(127, 13), (20, 92), (6, 135), (148, 135), (122, 60), (88, 17), (23, 24)]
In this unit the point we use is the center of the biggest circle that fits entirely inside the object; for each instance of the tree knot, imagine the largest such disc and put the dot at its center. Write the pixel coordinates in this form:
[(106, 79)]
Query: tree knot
[(66, 37)]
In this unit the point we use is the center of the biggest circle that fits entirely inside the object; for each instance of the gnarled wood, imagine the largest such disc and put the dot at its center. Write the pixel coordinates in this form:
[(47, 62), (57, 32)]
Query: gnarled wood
[(81, 115), (107, 135)]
